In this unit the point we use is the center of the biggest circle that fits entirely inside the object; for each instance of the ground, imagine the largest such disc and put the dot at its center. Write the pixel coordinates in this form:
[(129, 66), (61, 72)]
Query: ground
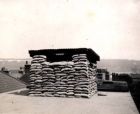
[(17, 102)]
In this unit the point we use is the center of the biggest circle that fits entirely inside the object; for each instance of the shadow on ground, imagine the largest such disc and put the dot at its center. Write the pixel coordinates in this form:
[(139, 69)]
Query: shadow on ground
[(25, 93), (101, 94), (21, 92)]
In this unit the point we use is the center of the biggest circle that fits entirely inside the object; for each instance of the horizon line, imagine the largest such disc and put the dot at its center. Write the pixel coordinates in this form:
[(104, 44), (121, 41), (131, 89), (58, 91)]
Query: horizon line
[(100, 59)]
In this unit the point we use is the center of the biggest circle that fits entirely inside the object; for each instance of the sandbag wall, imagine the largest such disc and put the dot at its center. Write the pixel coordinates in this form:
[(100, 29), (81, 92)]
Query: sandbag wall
[(76, 78), (85, 76)]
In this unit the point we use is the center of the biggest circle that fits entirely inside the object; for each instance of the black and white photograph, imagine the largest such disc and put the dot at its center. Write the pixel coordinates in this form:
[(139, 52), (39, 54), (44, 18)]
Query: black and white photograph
[(69, 57)]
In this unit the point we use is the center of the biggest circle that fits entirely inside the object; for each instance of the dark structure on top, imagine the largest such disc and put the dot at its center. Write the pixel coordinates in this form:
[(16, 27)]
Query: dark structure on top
[(54, 55)]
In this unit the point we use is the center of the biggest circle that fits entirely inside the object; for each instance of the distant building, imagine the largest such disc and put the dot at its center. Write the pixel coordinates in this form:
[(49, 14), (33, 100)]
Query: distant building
[(135, 77), (26, 76), (5, 70), (119, 86), (122, 77), (102, 75), (27, 68)]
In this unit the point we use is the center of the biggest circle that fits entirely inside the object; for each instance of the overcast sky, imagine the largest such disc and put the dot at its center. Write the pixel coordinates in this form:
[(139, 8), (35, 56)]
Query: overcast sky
[(110, 27)]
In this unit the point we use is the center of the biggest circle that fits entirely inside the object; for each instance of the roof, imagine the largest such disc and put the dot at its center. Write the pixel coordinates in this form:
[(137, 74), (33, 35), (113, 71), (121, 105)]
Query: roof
[(15, 73), (8, 83), (104, 103), (99, 70), (65, 54)]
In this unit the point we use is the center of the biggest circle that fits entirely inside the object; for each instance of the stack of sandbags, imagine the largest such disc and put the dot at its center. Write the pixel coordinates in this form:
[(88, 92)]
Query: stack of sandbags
[(70, 80), (60, 83), (62, 79), (48, 79), (57, 79), (84, 85), (92, 79), (35, 87)]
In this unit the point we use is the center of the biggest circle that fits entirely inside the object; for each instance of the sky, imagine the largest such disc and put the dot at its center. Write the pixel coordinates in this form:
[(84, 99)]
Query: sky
[(109, 27)]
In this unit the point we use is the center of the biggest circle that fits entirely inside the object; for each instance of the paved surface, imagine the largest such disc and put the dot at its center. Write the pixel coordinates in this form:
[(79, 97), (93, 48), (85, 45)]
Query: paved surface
[(104, 103)]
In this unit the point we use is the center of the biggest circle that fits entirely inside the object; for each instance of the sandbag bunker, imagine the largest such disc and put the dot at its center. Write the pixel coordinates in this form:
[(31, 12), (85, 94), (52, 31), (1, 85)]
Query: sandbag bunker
[(63, 72)]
